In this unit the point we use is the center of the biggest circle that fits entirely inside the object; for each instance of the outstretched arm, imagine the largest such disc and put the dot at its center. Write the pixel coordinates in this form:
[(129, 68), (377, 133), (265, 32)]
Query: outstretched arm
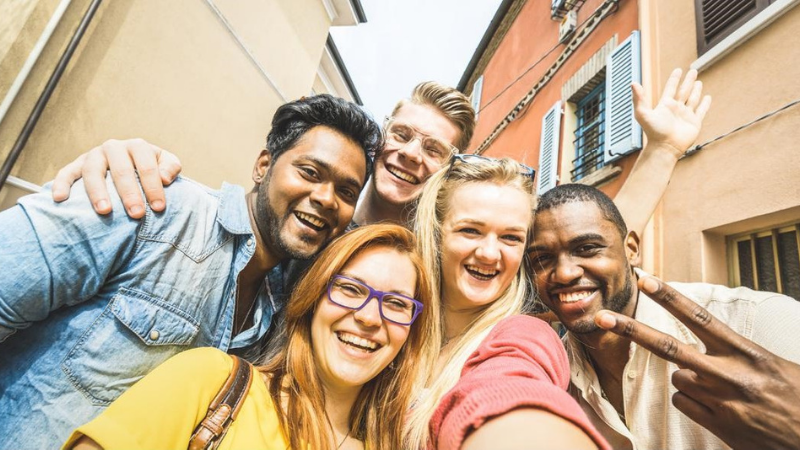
[(744, 394), (155, 166), (671, 128)]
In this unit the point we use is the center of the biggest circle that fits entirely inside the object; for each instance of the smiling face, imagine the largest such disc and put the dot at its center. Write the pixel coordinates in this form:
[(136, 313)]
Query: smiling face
[(581, 265), (483, 242), (401, 170), (352, 347), (307, 195)]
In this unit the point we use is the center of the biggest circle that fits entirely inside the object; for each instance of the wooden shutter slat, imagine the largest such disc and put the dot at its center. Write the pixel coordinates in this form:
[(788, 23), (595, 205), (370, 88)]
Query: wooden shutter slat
[(548, 149)]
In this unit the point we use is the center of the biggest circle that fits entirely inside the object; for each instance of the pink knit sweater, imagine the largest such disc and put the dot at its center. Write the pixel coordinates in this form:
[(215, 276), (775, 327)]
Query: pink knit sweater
[(520, 364)]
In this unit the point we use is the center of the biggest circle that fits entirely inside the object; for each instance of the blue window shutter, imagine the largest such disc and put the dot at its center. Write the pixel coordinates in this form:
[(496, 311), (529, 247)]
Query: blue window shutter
[(475, 98), (548, 149), (623, 67)]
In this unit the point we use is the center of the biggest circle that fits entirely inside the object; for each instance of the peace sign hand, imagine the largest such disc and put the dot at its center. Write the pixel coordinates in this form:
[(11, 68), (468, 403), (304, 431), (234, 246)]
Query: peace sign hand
[(744, 394)]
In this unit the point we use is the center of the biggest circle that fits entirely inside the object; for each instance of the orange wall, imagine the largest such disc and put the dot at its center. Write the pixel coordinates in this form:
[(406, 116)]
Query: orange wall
[(529, 39)]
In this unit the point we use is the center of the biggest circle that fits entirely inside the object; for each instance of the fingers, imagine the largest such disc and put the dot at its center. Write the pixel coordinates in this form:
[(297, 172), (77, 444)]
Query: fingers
[(701, 110), (93, 172), (695, 95), (169, 166), (660, 344), (671, 88), (66, 177), (715, 334), (694, 410), (124, 176), (640, 101), (145, 159), (687, 86)]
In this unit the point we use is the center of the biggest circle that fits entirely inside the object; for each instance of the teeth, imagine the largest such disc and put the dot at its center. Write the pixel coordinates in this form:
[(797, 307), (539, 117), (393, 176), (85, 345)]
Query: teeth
[(356, 341), (570, 297), (402, 175), (482, 273), (317, 223)]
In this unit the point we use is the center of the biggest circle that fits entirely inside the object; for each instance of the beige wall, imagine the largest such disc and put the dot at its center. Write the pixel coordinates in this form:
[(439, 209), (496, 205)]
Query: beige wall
[(172, 73), (742, 182)]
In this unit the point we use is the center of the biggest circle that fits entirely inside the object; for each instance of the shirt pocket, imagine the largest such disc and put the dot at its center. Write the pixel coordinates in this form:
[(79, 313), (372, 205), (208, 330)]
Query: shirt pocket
[(135, 333)]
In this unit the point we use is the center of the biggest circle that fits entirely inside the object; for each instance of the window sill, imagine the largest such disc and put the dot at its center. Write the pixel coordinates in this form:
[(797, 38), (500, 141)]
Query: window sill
[(744, 33), (600, 176)]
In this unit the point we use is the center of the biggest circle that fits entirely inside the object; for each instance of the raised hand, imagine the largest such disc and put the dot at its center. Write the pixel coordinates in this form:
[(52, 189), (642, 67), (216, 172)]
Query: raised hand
[(156, 168), (744, 394), (675, 121)]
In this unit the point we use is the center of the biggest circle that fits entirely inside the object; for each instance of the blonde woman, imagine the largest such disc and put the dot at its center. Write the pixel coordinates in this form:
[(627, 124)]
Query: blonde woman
[(472, 222), (355, 327)]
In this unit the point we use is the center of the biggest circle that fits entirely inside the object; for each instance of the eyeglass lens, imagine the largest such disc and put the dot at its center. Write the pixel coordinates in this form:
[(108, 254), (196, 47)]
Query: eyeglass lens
[(433, 148)]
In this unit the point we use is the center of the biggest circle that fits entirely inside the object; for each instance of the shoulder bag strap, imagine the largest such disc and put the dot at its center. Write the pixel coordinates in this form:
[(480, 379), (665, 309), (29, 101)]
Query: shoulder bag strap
[(224, 408)]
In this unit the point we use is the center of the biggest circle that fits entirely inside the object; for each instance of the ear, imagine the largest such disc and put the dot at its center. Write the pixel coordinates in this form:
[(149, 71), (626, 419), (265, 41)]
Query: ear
[(262, 166), (632, 249)]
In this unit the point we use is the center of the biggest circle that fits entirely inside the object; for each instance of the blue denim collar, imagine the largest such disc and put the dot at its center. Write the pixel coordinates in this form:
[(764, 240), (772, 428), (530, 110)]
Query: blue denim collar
[(233, 214)]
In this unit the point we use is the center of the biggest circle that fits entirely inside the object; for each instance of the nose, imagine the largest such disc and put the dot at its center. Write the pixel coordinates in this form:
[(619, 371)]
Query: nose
[(412, 150), (488, 250), (565, 270), (370, 315), (324, 195)]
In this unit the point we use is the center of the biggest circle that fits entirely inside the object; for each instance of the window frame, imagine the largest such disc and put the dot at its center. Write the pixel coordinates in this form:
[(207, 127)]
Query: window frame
[(734, 274)]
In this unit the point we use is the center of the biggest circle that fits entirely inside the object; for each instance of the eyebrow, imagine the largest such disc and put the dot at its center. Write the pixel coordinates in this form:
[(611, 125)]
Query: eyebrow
[(481, 223), (338, 174), (361, 280), (587, 237)]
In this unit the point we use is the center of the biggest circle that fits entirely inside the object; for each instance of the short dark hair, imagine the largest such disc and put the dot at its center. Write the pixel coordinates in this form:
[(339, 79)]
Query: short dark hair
[(294, 119), (574, 192)]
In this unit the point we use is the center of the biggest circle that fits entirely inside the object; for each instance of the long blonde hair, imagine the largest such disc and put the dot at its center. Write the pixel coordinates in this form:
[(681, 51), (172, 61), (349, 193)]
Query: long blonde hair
[(434, 205), (383, 402)]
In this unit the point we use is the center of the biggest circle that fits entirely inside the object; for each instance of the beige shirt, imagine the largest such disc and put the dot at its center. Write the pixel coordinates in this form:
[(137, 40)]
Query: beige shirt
[(769, 319)]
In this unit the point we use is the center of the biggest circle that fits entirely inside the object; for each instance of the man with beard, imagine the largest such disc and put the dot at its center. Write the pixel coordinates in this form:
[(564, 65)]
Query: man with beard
[(90, 304), (582, 259)]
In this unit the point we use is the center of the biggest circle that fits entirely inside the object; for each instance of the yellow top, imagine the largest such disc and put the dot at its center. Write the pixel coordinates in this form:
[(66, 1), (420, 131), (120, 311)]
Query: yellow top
[(162, 410)]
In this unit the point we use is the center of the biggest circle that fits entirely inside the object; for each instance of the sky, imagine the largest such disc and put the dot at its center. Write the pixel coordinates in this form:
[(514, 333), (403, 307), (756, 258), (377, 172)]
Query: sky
[(405, 42)]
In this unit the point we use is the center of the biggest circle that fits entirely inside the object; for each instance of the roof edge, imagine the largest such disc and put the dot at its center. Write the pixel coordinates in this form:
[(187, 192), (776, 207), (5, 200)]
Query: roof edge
[(502, 10), (337, 58)]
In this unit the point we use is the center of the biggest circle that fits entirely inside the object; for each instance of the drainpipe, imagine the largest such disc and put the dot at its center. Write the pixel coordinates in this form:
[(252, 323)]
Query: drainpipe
[(30, 124)]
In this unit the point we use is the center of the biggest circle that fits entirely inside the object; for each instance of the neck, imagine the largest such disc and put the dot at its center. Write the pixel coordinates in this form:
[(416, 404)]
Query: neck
[(457, 321), (373, 209), (338, 405), (264, 258)]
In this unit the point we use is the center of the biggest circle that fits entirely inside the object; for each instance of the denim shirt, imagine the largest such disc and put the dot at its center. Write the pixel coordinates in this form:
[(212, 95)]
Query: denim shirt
[(90, 304)]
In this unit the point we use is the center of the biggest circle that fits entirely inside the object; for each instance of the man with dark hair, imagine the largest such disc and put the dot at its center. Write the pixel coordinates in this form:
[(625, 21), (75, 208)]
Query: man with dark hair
[(89, 304), (582, 262)]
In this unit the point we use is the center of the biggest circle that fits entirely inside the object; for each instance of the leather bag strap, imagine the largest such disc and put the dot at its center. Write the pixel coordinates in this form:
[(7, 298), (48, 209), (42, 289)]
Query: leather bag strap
[(224, 408)]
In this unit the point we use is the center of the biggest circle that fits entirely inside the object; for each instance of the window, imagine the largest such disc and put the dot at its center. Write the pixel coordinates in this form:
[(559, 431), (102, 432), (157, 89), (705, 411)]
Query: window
[(768, 260), (475, 97), (716, 19), (589, 133)]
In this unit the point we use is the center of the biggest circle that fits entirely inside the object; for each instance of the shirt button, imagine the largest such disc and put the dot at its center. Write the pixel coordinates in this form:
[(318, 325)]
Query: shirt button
[(249, 242), (632, 374), (154, 335)]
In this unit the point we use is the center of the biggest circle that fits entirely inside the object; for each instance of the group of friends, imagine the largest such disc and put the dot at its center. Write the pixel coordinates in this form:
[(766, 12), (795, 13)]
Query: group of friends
[(382, 283)]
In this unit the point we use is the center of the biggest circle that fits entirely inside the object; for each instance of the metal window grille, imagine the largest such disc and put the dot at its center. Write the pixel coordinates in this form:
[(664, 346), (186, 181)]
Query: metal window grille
[(589, 133), (768, 260)]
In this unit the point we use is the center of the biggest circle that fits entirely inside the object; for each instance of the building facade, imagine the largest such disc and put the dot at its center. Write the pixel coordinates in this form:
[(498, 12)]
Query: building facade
[(551, 81), (201, 78)]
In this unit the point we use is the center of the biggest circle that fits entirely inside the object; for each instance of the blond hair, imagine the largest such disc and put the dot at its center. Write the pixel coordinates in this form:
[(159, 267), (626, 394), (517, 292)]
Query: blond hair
[(454, 105), (433, 207), (383, 401)]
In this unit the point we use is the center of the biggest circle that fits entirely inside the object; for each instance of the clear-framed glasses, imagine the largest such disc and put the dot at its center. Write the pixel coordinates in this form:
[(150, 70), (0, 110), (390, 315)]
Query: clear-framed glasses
[(353, 294), (435, 150), (471, 158)]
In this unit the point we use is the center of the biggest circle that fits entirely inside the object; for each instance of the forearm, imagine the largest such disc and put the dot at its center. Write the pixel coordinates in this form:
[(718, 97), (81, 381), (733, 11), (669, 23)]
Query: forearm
[(528, 429), (646, 184)]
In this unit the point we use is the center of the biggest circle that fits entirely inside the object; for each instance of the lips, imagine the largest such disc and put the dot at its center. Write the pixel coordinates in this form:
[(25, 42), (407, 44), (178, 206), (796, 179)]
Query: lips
[(358, 342), (311, 221), (405, 176), (481, 273)]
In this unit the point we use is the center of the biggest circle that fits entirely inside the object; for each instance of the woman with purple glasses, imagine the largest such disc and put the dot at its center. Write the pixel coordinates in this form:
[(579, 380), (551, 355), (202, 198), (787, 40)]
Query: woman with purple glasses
[(355, 326)]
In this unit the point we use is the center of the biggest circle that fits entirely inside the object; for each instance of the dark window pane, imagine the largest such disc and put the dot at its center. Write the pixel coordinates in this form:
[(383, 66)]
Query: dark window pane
[(745, 264), (589, 133), (765, 260), (789, 263)]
